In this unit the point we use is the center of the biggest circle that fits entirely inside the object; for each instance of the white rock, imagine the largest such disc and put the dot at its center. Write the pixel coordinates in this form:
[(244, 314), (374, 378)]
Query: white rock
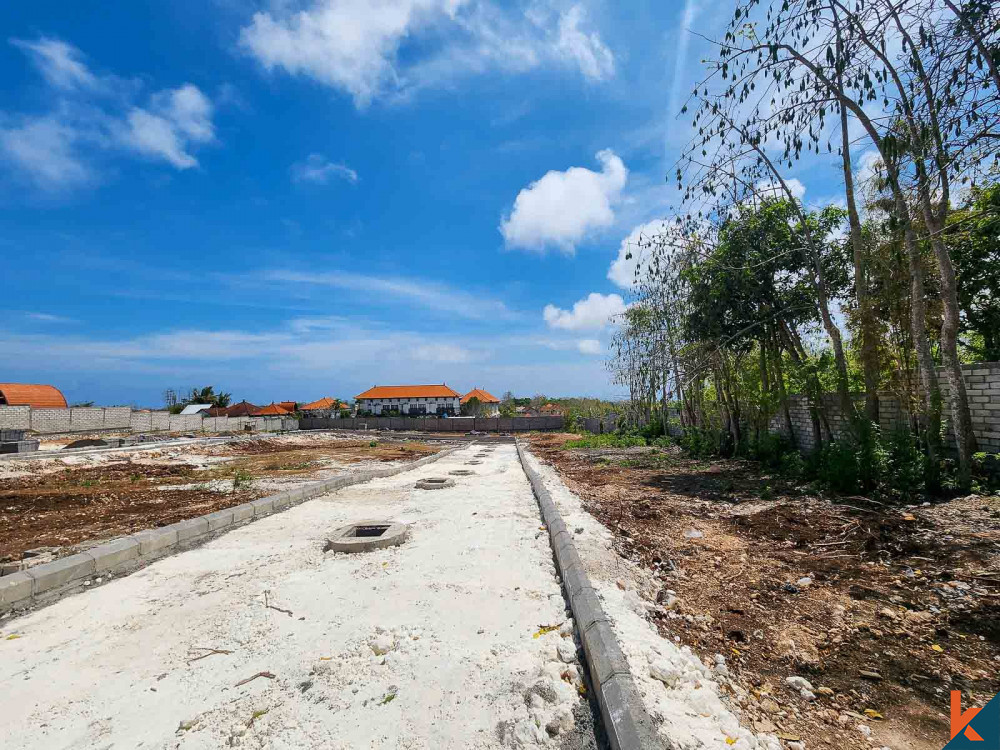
[(796, 746), (381, 643), (566, 629), (693, 534), (804, 582), (865, 730), (808, 695), (798, 683), (567, 650)]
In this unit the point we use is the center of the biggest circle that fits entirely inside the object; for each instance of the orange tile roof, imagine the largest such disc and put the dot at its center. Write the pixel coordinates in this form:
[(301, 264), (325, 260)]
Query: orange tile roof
[(272, 410), (551, 407), (37, 396), (324, 403), (288, 405), (409, 391), (483, 396)]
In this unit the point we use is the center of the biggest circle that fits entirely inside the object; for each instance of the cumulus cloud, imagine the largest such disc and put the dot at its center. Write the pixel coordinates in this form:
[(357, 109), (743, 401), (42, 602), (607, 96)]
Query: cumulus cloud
[(591, 313), (589, 346), (632, 252), (369, 50), (318, 169), (94, 116), (175, 120), (561, 208)]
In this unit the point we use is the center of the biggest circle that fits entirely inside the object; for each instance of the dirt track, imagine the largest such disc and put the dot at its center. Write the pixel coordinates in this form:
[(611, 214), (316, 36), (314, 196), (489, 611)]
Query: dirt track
[(908, 595)]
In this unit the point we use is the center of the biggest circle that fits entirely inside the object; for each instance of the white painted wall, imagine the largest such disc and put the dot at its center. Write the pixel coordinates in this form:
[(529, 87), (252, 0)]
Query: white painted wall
[(431, 405)]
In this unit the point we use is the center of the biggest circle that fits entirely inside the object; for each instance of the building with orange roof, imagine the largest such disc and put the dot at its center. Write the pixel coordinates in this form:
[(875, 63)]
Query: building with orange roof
[(324, 407), (273, 410), (33, 395), (489, 404), (409, 400), (551, 410)]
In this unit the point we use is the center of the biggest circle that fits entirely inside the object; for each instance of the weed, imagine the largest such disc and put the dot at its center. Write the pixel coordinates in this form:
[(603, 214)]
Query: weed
[(608, 440), (242, 478), (134, 478), (373, 444)]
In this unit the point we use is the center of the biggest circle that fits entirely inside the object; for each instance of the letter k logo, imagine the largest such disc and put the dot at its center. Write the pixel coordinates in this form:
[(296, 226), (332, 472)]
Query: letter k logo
[(959, 720)]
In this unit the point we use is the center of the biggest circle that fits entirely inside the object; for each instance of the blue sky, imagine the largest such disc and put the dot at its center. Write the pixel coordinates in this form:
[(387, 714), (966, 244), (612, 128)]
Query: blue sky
[(297, 199)]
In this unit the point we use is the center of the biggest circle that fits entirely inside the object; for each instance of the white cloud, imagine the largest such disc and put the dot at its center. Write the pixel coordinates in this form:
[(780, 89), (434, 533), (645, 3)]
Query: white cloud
[(591, 313), (562, 208), (370, 50), (48, 318), (773, 189), (95, 116), (594, 59), (589, 346), (179, 118), (427, 294), (623, 268), (44, 149), (316, 168), (61, 64)]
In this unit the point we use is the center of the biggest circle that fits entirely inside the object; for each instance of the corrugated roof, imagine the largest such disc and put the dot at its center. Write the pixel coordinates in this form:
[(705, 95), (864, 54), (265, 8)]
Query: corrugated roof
[(195, 409), (324, 403), (272, 410), (409, 391), (28, 394), (483, 396)]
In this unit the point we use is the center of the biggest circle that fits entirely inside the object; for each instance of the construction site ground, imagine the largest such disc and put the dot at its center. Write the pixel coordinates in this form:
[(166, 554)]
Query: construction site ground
[(883, 610), (260, 638), (71, 501)]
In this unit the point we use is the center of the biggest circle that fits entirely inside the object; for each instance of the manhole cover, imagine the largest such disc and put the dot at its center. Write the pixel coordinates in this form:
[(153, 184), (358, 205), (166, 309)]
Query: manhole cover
[(367, 535), (435, 483), (480, 455), (473, 463), (462, 473)]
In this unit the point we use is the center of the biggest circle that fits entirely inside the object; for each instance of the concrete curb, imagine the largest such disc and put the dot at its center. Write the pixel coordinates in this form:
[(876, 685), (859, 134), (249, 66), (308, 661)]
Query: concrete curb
[(47, 582), (626, 721)]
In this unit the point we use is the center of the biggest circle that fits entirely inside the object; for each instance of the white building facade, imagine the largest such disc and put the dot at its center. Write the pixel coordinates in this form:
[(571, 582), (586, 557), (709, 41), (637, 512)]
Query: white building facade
[(409, 400)]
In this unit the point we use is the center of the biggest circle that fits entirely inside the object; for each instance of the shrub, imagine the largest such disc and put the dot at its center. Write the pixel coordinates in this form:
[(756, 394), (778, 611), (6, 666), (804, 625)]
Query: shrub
[(607, 440)]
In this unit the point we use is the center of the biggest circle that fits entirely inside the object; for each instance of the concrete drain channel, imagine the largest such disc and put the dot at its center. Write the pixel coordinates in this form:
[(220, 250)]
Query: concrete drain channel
[(367, 535), (434, 483)]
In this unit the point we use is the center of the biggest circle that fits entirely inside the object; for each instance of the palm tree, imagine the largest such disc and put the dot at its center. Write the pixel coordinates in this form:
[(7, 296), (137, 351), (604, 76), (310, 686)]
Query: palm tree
[(208, 395)]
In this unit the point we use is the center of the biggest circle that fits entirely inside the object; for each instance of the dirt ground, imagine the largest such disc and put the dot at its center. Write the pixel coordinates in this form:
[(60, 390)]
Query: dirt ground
[(884, 610), (74, 500)]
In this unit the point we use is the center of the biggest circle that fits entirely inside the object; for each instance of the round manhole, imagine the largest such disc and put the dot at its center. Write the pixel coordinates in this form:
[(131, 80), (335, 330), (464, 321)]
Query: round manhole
[(362, 536), (480, 455), (462, 473), (473, 463), (435, 483)]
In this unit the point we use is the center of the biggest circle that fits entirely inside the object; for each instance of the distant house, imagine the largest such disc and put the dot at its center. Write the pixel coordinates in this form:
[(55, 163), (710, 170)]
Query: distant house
[(551, 410), (490, 403), (272, 410), (411, 400), (192, 409), (35, 396), (289, 406), (242, 409), (324, 407)]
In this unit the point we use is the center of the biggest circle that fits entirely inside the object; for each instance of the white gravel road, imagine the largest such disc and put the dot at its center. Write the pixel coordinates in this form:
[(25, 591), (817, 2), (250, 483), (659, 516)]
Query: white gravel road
[(434, 644)]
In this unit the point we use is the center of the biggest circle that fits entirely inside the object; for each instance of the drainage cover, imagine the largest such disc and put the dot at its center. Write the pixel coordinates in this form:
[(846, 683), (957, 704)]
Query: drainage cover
[(367, 535), (462, 473), (435, 483), (480, 455), (473, 463)]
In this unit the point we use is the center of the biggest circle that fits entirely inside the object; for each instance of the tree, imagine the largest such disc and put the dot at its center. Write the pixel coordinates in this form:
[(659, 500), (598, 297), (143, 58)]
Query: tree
[(207, 395), (973, 237), (472, 407)]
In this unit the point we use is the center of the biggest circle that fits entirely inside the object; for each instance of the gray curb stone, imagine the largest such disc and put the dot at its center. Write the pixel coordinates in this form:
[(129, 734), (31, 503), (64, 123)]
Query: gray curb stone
[(57, 573), (15, 587), (152, 541), (122, 555), (114, 553), (190, 529), (626, 720), (220, 519)]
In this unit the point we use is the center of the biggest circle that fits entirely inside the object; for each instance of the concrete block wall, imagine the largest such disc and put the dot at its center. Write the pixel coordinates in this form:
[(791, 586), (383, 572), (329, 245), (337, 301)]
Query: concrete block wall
[(433, 424), (15, 417)]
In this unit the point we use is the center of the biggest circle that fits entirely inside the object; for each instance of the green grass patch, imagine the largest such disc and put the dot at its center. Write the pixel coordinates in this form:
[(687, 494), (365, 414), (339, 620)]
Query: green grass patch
[(609, 440)]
